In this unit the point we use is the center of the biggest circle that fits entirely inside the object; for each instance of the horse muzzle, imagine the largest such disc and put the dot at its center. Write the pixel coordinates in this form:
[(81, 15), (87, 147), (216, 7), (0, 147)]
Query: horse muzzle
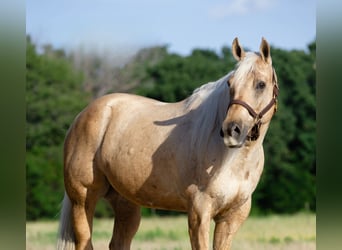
[(234, 135)]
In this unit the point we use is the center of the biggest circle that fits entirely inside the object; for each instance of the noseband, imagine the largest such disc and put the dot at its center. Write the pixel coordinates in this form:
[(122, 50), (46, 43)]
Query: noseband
[(254, 134)]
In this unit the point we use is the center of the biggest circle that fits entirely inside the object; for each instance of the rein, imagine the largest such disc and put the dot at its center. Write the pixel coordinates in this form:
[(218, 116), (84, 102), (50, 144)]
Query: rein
[(254, 134)]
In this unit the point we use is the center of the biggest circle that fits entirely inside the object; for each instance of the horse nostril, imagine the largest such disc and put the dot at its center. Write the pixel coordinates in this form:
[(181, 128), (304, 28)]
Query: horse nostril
[(237, 130), (234, 129)]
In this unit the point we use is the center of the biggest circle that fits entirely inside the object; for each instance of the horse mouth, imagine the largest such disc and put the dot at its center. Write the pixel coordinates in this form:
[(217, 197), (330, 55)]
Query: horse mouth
[(231, 142), (235, 146)]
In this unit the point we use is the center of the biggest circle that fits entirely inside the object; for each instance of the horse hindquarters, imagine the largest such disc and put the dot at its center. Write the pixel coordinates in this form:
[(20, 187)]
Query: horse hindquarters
[(84, 182)]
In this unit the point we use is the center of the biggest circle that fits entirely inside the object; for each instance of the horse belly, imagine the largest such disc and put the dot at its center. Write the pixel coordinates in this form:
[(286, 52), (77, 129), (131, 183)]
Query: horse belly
[(141, 183)]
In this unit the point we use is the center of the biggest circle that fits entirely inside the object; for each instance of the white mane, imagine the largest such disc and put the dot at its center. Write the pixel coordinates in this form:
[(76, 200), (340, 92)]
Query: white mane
[(209, 104), (206, 91)]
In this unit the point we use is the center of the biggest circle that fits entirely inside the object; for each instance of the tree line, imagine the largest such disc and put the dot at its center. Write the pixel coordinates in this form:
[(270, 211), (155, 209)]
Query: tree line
[(59, 85)]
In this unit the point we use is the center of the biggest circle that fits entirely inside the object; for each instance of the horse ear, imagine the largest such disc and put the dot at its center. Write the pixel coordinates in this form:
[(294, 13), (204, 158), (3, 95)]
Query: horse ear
[(265, 51), (237, 50), (274, 77)]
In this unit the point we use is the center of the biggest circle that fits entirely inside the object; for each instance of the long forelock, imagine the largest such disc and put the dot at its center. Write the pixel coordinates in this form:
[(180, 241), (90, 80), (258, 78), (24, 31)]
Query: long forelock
[(245, 67)]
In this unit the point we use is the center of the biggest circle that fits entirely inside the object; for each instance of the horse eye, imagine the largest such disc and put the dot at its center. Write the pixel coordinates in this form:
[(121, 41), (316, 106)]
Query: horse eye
[(261, 85)]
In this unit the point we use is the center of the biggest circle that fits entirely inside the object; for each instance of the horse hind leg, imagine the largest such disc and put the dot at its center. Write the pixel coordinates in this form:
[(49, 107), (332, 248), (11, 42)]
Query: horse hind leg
[(83, 212), (85, 184), (127, 220), (75, 225)]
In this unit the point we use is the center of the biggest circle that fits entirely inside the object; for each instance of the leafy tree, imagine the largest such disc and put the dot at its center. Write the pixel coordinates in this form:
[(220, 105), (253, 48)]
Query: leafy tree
[(175, 77)]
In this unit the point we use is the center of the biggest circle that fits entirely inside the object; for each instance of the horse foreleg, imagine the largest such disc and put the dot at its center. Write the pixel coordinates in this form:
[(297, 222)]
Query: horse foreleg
[(227, 226), (127, 220), (199, 216)]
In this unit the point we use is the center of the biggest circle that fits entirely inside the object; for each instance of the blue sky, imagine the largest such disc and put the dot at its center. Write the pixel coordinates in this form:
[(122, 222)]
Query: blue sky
[(120, 25)]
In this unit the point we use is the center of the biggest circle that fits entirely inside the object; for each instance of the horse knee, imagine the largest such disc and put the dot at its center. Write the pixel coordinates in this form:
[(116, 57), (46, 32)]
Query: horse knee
[(199, 228), (228, 224)]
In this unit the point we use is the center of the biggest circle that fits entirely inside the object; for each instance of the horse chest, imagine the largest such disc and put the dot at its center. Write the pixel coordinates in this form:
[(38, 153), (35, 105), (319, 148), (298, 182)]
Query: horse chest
[(235, 182), (226, 191)]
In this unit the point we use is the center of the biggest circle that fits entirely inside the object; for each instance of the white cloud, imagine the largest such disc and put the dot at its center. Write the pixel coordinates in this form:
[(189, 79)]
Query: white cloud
[(239, 8)]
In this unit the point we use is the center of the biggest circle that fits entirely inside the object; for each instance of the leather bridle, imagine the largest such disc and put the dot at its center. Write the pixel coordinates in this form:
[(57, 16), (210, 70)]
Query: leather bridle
[(255, 131)]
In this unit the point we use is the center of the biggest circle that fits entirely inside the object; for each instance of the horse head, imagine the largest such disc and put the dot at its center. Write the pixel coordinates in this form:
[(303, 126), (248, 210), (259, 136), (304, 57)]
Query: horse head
[(253, 91)]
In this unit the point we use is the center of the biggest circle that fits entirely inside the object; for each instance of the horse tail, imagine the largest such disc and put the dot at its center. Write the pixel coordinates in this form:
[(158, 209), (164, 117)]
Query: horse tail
[(66, 237)]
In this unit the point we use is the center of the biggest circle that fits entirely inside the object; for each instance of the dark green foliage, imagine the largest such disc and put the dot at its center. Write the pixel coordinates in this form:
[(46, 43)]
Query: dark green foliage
[(56, 93), (175, 77), (53, 99)]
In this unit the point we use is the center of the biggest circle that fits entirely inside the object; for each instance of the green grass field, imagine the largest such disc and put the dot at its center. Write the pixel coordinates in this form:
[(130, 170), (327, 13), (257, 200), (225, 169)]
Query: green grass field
[(295, 232)]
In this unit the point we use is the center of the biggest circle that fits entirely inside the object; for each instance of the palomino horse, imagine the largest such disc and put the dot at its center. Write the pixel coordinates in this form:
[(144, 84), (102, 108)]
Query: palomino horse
[(203, 155)]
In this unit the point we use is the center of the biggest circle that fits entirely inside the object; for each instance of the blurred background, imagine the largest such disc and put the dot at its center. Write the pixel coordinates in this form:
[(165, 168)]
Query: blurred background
[(80, 50)]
